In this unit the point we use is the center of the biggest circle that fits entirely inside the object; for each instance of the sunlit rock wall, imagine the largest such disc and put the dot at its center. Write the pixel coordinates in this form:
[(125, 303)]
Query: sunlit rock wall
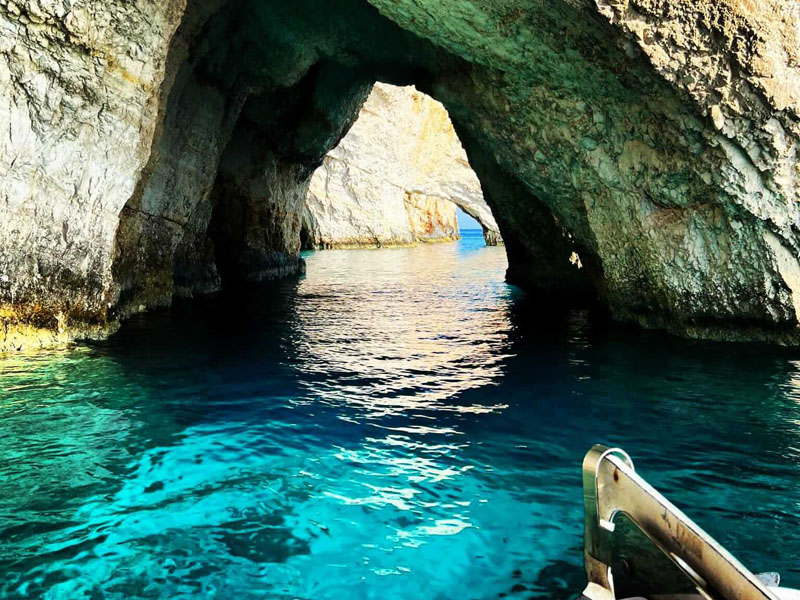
[(389, 180), (79, 83), (370, 212)]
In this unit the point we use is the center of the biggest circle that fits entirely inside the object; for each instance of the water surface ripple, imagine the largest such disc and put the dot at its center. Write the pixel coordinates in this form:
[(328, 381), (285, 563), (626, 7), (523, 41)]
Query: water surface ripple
[(395, 424)]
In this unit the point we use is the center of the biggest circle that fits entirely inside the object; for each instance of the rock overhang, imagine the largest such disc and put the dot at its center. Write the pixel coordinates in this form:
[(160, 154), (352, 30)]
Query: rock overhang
[(655, 140)]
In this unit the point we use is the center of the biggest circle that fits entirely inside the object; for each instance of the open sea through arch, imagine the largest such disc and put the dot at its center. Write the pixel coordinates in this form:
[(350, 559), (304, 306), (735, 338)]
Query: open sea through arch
[(395, 424)]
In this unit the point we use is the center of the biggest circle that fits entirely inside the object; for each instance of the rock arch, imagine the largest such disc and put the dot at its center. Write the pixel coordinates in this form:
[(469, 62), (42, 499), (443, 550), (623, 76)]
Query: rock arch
[(395, 178), (158, 149)]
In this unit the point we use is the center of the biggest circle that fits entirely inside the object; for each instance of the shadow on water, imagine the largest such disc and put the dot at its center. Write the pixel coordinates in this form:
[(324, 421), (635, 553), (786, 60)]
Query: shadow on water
[(394, 424)]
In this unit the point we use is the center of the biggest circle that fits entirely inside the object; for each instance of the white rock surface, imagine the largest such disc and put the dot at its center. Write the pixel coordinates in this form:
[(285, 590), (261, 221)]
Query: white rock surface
[(395, 178), (79, 83)]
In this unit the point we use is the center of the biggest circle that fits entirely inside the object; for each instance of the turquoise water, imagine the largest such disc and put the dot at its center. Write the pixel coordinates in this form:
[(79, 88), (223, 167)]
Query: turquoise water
[(395, 424)]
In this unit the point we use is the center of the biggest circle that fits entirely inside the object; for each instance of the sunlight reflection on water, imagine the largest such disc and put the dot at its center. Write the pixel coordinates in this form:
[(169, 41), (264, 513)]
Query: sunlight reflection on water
[(399, 338)]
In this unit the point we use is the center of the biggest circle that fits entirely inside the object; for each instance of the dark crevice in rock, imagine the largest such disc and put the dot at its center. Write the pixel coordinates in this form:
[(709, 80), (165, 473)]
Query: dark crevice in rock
[(542, 256)]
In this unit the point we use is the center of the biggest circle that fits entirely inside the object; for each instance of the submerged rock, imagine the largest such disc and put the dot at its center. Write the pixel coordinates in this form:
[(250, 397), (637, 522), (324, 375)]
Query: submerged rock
[(155, 149), (395, 178)]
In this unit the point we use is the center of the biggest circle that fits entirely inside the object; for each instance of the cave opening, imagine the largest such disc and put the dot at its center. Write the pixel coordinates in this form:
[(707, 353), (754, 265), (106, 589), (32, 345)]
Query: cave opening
[(399, 176), (259, 98), (466, 222), (585, 140)]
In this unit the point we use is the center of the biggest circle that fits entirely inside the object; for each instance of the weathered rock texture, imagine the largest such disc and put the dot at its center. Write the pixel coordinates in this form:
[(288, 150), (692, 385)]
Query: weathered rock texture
[(152, 148), (379, 215), (392, 177)]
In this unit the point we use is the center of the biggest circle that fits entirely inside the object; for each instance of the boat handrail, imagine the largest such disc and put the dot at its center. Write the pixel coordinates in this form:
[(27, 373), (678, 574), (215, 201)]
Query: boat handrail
[(611, 486)]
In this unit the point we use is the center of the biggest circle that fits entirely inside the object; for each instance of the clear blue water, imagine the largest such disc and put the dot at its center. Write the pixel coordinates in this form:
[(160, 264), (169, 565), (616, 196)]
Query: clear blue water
[(395, 424)]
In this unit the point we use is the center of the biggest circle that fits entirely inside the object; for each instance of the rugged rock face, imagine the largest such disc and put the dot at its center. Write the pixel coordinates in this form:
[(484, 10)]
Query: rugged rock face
[(381, 215), (78, 110), (152, 149), (390, 179)]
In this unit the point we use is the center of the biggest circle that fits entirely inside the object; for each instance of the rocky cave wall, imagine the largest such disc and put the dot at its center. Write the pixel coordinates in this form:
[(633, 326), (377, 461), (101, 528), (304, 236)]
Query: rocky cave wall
[(395, 178), (156, 149)]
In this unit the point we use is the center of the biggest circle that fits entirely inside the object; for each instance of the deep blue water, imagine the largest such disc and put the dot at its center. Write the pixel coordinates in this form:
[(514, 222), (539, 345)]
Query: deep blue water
[(395, 424)]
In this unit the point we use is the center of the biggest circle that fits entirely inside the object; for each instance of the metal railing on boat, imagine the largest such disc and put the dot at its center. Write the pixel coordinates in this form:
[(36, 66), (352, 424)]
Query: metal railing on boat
[(611, 489)]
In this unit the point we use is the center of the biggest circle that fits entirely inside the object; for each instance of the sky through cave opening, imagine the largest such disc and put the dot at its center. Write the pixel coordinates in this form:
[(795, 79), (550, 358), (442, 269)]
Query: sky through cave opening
[(466, 222)]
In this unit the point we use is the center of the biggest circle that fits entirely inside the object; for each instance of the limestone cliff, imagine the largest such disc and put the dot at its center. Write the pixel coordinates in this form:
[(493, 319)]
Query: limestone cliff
[(150, 149), (377, 215), (390, 178)]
